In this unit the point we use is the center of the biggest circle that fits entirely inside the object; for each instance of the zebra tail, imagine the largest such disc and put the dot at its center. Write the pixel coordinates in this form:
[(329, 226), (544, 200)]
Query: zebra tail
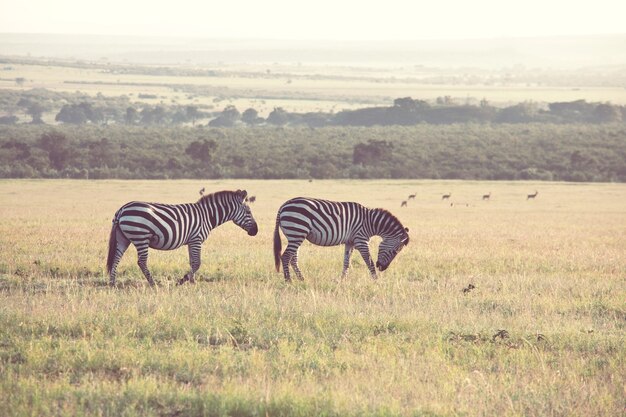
[(277, 245), (112, 247)]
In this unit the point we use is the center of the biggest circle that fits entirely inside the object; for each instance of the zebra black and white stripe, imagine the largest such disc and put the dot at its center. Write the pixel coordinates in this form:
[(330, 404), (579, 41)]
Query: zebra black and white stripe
[(170, 226), (331, 223)]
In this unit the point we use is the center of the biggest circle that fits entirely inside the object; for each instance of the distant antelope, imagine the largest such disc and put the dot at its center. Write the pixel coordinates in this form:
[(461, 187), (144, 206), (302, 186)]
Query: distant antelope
[(446, 196), (403, 204), (251, 199), (201, 191), (529, 196), (487, 196), (412, 197)]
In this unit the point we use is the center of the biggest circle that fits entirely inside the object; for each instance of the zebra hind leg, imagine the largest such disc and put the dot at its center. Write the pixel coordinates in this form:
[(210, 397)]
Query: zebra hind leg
[(296, 268), (286, 260), (121, 244), (142, 261)]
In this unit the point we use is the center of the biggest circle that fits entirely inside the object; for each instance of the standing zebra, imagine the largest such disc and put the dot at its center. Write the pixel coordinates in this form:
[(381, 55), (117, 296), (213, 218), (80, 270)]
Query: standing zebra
[(330, 223), (169, 226)]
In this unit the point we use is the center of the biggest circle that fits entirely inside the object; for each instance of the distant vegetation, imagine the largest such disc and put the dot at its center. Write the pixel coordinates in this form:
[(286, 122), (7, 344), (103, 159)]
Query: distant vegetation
[(542, 151), (113, 137), (78, 109)]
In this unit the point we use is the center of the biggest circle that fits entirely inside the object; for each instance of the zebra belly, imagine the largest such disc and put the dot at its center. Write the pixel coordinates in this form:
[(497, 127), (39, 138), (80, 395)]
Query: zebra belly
[(323, 239), (141, 233)]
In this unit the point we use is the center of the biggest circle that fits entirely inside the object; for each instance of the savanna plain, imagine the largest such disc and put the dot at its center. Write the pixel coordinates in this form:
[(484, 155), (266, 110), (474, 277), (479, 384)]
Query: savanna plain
[(542, 331)]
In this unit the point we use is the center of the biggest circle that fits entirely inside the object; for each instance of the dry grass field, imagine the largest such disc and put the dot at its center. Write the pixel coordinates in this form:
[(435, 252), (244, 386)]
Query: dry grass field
[(542, 332)]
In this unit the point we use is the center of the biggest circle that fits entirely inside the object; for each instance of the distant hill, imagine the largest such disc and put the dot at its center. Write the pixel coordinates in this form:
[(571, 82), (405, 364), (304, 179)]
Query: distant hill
[(547, 52)]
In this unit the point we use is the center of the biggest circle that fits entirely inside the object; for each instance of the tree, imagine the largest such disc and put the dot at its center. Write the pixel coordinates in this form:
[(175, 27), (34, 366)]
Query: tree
[(71, 113), (229, 116), (372, 152), (8, 120), (35, 110), (202, 150), (101, 153), (131, 116), (607, 113), (57, 146), (22, 150), (82, 113), (251, 117), (278, 116), (520, 113), (192, 114)]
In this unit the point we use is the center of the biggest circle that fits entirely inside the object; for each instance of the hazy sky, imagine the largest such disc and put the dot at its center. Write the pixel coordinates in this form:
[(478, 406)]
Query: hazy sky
[(317, 19)]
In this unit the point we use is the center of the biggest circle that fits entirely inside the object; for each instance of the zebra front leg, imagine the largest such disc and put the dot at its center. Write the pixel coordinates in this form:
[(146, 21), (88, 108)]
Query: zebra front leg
[(195, 250), (364, 250), (142, 261), (346, 259)]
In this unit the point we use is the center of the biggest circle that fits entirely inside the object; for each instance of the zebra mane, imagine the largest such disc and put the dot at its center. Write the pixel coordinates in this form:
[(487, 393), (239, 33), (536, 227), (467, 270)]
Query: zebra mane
[(221, 195), (387, 214)]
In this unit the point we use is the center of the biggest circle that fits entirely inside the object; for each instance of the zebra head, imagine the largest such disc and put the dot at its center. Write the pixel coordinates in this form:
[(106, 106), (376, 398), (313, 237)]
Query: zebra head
[(390, 246), (242, 215)]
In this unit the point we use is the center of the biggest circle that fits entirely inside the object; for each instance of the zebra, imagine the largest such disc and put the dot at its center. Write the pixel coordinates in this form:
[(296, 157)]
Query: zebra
[(170, 226), (330, 223)]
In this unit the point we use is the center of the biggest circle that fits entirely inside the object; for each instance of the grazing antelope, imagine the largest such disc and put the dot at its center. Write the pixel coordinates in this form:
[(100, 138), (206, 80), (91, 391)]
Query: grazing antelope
[(403, 204), (412, 196), (529, 196), (446, 196), (487, 196)]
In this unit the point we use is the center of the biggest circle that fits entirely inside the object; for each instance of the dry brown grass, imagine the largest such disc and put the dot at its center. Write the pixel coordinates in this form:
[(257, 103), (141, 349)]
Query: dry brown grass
[(549, 271)]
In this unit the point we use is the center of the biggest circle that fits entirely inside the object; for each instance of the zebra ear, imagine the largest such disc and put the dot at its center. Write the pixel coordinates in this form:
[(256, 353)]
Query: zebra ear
[(242, 194), (406, 229)]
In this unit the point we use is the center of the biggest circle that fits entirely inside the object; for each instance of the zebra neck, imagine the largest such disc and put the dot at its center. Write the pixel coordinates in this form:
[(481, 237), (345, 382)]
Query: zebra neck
[(215, 214), (380, 223)]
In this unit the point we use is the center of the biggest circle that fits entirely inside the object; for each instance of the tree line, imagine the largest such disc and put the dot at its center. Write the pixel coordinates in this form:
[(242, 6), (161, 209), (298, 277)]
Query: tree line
[(80, 109), (539, 151)]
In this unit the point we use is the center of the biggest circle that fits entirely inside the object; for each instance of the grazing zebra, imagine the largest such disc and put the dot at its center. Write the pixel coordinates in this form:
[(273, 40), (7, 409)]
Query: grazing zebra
[(529, 196), (446, 196), (170, 226), (330, 223)]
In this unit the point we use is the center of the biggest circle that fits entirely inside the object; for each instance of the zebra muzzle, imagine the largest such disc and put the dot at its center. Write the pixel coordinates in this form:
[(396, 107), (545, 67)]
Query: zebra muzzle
[(380, 266), (253, 230)]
